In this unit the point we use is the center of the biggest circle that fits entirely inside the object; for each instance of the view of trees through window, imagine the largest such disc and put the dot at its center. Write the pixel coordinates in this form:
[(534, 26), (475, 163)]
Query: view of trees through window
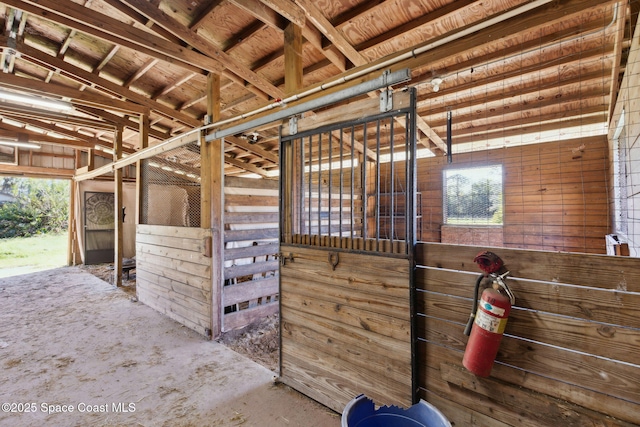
[(473, 196)]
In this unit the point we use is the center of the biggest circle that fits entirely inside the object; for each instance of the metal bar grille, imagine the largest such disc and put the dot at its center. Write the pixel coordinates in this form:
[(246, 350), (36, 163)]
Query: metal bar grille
[(345, 201)]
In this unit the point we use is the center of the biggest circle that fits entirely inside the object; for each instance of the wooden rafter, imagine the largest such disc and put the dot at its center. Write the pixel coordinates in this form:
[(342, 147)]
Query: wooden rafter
[(198, 42), (110, 87), (78, 17), (80, 98)]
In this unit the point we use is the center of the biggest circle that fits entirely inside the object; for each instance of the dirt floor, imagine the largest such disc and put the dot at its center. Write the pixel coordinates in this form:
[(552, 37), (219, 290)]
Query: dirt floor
[(76, 351), (259, 342)]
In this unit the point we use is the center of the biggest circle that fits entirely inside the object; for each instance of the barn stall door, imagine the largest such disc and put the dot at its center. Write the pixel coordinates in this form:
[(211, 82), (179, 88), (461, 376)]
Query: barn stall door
[(99, 227), (346, 253)]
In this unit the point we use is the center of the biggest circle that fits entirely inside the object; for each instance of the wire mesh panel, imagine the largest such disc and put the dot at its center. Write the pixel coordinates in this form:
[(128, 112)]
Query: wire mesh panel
[(171, 185), (335, 192), (473, 196)]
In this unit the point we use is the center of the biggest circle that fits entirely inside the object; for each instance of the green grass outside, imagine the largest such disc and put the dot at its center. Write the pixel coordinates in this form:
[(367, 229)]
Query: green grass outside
[(22, 255)]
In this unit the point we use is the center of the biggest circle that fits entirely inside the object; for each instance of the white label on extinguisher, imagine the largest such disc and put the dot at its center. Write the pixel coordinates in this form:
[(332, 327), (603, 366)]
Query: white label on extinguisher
[(489, 323), (498, 311)]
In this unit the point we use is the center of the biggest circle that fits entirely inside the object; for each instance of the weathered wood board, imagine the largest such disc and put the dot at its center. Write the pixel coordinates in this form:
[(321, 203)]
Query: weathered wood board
[(347, 330), (250, 288), (173, 275), (570, 347)]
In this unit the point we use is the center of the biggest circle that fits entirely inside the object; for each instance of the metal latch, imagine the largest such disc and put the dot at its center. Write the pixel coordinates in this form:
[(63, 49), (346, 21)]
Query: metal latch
[(284, 259)]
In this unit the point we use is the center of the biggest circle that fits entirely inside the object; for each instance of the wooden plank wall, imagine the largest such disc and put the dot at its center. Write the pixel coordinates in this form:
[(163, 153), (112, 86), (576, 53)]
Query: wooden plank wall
[(570, 352), (173, 275), (250, 291), (345, 326), (555, 194)]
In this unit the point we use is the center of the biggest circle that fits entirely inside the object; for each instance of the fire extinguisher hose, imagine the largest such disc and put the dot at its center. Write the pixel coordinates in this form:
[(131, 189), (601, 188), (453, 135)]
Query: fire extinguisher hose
[(474, 309)]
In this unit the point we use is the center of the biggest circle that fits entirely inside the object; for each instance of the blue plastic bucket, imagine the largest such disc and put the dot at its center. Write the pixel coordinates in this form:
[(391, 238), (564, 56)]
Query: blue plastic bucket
[(361, 412)]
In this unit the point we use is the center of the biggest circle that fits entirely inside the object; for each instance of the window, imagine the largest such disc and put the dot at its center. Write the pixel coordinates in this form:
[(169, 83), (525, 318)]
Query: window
[(473, 196)]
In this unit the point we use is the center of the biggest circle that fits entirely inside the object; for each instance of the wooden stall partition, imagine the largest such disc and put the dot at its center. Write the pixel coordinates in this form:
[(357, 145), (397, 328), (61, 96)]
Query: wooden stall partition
[(554, 197), (250, 290), (173, 275), (569, 354), (346, 327)]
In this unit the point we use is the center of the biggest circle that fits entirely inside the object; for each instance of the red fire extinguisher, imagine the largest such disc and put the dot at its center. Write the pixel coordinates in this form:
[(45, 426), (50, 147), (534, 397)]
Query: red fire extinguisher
[(488, 318)]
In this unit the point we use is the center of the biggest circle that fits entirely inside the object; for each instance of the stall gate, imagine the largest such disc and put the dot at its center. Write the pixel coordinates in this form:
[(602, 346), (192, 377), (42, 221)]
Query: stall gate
[(346, 253)]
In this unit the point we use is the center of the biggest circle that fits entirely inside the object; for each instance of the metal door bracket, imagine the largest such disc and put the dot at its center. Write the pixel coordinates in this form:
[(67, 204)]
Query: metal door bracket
[(293, 125), (386, 100)]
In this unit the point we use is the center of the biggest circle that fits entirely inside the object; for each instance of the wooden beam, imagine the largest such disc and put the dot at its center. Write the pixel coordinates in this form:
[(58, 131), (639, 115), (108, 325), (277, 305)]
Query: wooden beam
[(173, 85), (72, 242), (140, 72), (263, 13), (292, 59), (287, 9), (315, 38), (211, 7), (93, 80), (253, 148), (453, 10), (35, 171), (335, 36), (38, 87), (142, 20), (424, 54), (203, 45), (246, 166), (83, 19), (322, 23), (51, 127), (212, 213), (293, 70), (34, 113), (127, 122)]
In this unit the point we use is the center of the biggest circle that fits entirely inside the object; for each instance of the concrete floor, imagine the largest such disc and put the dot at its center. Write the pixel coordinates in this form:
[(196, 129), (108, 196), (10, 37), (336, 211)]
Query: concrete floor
[(75, 351)]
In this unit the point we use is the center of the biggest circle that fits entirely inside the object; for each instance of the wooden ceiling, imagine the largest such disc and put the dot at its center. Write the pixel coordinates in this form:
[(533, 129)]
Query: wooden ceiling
[(508, 75)]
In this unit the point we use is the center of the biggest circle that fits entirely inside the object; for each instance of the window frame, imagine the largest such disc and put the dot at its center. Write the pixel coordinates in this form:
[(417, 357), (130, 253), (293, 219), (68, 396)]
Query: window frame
[(467, 169)]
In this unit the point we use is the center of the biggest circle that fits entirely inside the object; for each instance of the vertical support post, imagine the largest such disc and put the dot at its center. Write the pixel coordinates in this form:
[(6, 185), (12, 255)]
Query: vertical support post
[(117, 179), (91, 160), (212, 203), (71, 243), (292, 58), (292, 197)]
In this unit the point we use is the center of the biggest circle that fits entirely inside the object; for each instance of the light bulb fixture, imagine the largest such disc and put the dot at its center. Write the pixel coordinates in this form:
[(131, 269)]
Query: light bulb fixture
[(435, 83), (20, 144), (35, 101)]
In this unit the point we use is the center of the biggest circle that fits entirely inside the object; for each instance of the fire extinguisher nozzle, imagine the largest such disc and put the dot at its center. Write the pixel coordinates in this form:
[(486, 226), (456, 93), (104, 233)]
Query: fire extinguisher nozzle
[(467, 329)]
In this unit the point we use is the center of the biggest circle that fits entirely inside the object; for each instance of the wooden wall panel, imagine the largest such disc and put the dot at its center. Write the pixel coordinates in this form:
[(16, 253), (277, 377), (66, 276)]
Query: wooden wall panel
[(570, 346), (172, 274), (346, 331), (555, 195)]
